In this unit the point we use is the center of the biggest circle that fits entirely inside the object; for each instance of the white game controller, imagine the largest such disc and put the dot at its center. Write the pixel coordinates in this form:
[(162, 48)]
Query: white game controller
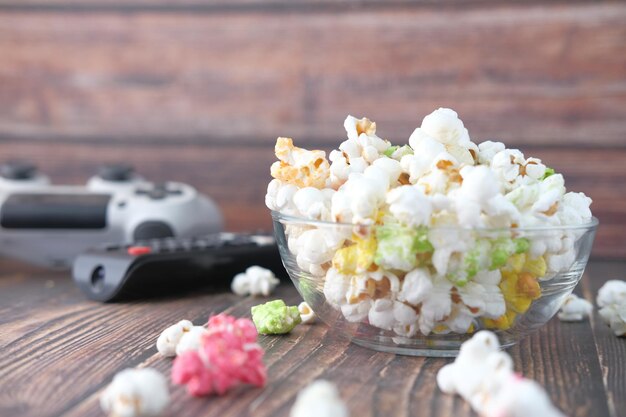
[(50, 225)]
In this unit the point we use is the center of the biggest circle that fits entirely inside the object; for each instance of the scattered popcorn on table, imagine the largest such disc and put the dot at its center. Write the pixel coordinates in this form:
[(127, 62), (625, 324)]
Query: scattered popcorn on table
[(255, 281), (319, 399), (307, 315), (228, 355), (462, 234), (575, 308), (275, 317), (483, 375), (135, 393), (170, 337), (612, 302)]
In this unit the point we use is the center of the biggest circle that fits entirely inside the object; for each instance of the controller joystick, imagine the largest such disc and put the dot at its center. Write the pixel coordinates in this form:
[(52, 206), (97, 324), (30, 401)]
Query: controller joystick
[(20, 175), (116, 172)]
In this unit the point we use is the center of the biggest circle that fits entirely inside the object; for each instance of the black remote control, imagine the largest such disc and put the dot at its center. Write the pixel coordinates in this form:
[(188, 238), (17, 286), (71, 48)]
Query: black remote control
[(168, 266)]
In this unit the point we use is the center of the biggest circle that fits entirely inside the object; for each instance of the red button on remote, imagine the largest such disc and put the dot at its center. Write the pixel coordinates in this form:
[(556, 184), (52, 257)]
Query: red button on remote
[(139, 250)]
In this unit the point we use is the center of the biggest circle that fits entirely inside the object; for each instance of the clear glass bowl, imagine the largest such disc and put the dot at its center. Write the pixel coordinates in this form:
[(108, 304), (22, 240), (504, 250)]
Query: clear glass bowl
[(464, 280)]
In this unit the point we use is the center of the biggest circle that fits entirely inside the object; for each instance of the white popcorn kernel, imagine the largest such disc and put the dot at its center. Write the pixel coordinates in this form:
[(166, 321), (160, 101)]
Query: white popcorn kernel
[(169, 338), (306, 313), (336, 286), (487, 150), (519, 397), (359, 198), (612, 292), (468, 371), (575, 308), (134, 393), (381, 314), (255, 281), (612, 301), (319, 399), (357, 312), (484, 377), (409, 205), (313, 203), (444, 125), (279, 197), (191, 340)]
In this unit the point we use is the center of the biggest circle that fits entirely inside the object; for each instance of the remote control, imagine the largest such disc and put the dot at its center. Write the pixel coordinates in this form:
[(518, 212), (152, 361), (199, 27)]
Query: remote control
[(49, 225), (164, 266)]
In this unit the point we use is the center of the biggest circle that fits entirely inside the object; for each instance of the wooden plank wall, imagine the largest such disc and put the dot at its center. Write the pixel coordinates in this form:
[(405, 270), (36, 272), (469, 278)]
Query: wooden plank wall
[(197, 91)]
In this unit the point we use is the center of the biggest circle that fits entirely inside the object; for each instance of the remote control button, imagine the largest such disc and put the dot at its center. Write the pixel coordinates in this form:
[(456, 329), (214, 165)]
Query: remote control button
[(16, 170), (116, 172), (152, 230), (139, 250)]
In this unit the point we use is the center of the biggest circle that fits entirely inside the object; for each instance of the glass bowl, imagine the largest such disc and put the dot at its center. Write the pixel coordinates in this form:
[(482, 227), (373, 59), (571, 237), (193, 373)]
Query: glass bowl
[(424, 291)]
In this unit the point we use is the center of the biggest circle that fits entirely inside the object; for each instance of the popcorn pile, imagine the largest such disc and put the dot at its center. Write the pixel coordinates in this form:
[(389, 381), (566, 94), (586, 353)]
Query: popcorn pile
[(612, 302), (421, 267), (228, 355), (483, 375)]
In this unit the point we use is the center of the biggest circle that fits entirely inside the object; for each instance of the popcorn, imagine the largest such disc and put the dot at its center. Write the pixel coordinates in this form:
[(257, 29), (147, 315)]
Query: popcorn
[(228, 355), (191, 340), (575, 308), (255, 281), (170, 337), (275, 317), (307, 315), (134, 393), (355, 154), (612, 302), (484, 377), (436, 236), (319, 399), (298, 166)]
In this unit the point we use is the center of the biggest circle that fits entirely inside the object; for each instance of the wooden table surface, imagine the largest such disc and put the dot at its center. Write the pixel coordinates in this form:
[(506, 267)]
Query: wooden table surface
[(58, 351)]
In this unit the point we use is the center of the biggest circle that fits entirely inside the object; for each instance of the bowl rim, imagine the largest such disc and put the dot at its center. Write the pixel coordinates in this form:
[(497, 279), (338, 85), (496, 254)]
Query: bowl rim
[(590, 225)]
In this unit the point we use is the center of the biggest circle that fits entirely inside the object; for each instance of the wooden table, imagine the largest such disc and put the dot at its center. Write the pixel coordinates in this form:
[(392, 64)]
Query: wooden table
[(58, 351)]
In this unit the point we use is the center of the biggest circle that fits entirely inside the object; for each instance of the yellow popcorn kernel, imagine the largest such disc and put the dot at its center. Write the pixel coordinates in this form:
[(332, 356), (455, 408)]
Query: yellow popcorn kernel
[(516, 262), (504, 322), (440, 328), (537, 267), (299, 166), (356, 258), (528, 286), (519, 290), (471, 329)]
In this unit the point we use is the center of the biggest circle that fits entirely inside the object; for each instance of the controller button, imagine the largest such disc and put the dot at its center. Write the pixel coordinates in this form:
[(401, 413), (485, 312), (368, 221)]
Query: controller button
[(116, 172), (17, 170), (152, 230), (139, 250)]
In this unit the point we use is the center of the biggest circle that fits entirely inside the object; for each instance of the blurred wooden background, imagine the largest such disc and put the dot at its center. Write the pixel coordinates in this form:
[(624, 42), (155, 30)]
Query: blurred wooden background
[(197, 91)]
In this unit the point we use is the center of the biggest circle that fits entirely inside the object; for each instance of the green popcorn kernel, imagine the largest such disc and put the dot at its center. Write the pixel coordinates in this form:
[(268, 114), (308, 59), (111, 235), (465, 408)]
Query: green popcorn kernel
[(275, 317), (549, 172), (476, 258), (522, 245), (390, 150), (398, 246)]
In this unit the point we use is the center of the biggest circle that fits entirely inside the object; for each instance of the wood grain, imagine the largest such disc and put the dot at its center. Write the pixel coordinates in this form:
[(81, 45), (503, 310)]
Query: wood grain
[(527, 74), (58, 351)]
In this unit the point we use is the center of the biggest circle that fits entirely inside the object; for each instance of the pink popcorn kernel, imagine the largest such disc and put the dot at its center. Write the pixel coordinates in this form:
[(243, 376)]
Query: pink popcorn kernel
[(228, 356)]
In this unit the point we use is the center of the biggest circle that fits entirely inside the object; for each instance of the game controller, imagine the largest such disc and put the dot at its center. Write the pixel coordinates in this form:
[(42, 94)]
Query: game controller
[(49, 225), (171, 265)]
